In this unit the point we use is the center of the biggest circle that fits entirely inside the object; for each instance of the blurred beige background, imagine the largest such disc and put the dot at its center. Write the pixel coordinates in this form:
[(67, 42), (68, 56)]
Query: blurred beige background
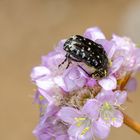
[(29, 29)]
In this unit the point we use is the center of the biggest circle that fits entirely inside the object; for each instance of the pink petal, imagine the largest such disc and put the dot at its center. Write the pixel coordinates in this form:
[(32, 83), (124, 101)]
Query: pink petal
[(52, 109), (111, 51), (59, 81), (61, 137), (91, 82), (108, 83), (74, 78), (121, 97), (92, 108), (43, 136), (118, 121), (60, 45), (49, 112), (74, 73), (68, 114), (39, 72), (117, 64), (106, 96), (137, 59), (101, 129), (75, 132), (47, 95), (69, 84), (80, 82), (53, 59), (107, 45), (45, 83), (131, 85), (94, 33)]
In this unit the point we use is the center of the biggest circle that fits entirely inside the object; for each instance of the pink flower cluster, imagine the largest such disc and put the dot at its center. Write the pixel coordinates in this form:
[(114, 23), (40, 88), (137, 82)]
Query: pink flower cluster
[(74, 106)]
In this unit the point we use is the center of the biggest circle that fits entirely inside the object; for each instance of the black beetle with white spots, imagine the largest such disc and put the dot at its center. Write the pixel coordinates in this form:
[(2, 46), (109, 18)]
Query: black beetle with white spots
[(81, 49)]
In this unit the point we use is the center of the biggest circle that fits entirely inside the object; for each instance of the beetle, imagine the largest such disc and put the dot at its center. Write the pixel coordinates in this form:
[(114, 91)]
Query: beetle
[(81, 49)]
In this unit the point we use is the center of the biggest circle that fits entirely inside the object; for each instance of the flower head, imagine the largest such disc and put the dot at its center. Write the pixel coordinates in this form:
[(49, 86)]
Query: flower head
[(73, 104)]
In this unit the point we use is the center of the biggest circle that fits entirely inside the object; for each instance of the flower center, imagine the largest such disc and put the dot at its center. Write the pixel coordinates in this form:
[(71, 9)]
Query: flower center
[(85, 130), (107, 112), (85, 123), (79, 121)]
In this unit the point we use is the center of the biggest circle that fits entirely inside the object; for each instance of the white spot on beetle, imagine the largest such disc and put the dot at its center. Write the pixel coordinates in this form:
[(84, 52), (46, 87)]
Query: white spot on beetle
[(66, 49), (89, 43), (72, 47), (99, 46), (89, 48), (83, 55), (77, 52), (74, 37)]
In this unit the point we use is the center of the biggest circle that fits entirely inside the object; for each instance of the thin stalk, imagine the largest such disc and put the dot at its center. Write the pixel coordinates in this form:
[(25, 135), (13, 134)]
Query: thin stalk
[(131, 123)]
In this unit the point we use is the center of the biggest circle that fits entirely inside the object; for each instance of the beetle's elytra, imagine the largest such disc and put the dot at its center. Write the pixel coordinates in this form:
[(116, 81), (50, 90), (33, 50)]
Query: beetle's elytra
[(81, 49)]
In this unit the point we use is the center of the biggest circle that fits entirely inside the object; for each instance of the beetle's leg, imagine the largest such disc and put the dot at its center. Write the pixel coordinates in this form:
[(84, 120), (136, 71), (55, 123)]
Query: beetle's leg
[(69, 62), (85, 71), (73, 59), (67, 56)]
